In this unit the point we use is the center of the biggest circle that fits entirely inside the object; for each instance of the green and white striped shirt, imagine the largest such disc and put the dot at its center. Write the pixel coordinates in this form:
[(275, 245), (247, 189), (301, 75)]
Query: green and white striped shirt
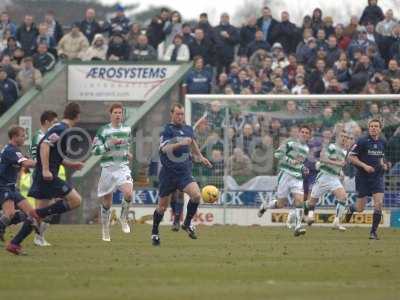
[(288, 152), (332, 152), (39, 134), (112, 155)]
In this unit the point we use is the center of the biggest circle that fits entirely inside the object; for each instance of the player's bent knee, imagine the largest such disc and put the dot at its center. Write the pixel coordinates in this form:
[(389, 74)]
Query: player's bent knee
[(196, 198)]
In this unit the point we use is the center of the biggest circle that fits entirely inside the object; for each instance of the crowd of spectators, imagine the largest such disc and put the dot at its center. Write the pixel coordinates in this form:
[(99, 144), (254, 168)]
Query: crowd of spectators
[(263, 56)]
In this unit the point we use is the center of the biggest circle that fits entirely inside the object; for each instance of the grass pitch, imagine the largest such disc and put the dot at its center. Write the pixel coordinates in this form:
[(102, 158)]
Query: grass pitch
[(226, 262)]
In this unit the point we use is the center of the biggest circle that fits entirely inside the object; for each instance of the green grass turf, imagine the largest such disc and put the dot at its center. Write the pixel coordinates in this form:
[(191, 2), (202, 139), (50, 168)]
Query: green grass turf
[(226, 262)]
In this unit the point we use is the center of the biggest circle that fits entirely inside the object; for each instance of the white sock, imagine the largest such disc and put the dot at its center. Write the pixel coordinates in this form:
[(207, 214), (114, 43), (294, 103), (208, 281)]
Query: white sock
[(299, 216), (125, 209), (105, 216), (43, 228), (272, 204), (340, 210)]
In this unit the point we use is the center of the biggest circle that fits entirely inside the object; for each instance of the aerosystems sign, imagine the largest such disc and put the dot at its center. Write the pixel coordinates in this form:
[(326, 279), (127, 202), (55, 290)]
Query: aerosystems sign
[(117, 82)]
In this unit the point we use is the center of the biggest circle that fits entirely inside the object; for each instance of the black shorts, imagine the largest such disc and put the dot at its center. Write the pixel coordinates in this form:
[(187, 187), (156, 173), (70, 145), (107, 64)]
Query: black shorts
[(170, 182), (47, 190), (367, 186), (10, 194)]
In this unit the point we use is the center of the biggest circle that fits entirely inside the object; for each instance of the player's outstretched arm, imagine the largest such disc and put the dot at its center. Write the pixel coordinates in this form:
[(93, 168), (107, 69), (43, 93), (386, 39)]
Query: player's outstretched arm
[(196, 151)]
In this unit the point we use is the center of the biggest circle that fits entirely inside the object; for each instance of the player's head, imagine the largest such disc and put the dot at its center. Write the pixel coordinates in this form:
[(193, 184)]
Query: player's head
[(116, 113), (374, 127), (177, 114), (48, 118), (344, 139), (16, 134), (304, 133), (72, 112)]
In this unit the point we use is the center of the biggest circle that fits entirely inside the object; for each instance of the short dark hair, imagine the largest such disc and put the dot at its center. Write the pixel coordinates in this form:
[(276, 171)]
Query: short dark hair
[(15, 130), (305, 126), (175, 105), (115, 106), (375, 121), (48, 115), (71, 111)]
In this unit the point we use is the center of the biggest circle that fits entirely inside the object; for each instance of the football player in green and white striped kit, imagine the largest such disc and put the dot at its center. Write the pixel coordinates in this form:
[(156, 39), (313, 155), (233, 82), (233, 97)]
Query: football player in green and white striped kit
[(332, 160), (112, 142), (291, 154), (47, 119)]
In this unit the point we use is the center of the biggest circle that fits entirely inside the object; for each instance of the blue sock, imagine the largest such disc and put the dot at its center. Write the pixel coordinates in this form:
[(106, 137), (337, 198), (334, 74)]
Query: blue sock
[(191, 211), (59, 207), (376, 219), (25, 230), (19, 217), (157, 218)]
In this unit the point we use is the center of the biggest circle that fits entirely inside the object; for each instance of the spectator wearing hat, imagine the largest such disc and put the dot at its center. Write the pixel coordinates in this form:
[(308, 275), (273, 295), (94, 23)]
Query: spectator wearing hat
[(385, 27), (54, 27), (6, 24), (257, 43), (9, 90), (226, 37), (120, 23), (155, 31), (89, 26), (73, 44), (316, 20), (118, 48), (28, 76), (343, 41), (278, 56), (45, 37), (178, 51), (43, 60), (143, 51), (328, 26), (97, 50), (287, 34), (27, 34), (202, 47), (372, 13)]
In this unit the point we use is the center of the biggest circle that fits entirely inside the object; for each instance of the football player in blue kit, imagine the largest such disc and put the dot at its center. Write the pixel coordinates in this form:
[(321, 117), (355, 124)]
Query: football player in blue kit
[(367, 155), (46, 184), (11, 161), (176, 144)]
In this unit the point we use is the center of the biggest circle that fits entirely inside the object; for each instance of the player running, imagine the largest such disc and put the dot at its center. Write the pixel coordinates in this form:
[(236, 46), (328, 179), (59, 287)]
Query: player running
[(291, 155), (46, 184), (332, 160), (112, 142), (47, 120), (367, 154), (11, 161), (176, 143)]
